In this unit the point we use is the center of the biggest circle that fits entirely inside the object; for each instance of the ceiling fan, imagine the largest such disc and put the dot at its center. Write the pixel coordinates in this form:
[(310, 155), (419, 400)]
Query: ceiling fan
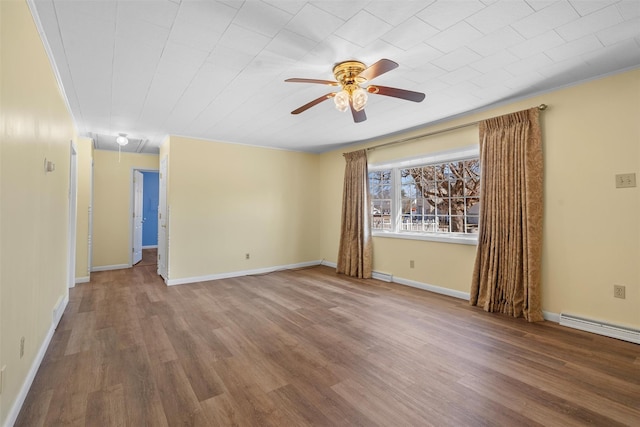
[(350, 75)]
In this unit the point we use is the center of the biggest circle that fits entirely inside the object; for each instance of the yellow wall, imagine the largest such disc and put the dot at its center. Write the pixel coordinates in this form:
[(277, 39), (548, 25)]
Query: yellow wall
[(227, 200), (112, 177), (591, 230), (34, 211), (84, 160)]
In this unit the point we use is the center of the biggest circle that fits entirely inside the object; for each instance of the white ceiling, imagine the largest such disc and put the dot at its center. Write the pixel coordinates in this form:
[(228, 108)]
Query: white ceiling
[(216, 69)]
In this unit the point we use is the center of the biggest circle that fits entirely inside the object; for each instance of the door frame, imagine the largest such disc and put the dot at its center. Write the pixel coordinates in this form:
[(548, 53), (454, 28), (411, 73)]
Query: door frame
[(132, 197), (73, 214)]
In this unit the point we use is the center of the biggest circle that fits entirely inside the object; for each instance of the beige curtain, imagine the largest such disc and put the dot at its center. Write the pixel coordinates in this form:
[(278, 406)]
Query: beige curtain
[(506, 277), (355, 251)]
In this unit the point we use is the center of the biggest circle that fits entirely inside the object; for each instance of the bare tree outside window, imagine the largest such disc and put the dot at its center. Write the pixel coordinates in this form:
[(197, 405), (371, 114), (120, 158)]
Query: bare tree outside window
[(440, 197), (432, 198)]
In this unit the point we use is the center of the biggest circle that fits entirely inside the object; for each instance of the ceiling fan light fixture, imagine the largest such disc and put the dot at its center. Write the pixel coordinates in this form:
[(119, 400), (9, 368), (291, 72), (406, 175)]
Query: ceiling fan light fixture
[(122, 139), (341, 100), (359, 99)]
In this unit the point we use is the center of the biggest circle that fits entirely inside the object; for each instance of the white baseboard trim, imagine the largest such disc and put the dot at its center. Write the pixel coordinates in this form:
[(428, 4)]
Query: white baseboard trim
[(328, 264), (12, 416), (388, 277), (84, 279), (551, 317), (187, 280), (150, 247), (432, 288), (110, 267)]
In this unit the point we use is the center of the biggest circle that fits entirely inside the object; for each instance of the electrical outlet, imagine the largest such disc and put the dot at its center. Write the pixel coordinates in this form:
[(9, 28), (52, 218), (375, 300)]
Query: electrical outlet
[(21, 347), (625, 180), (247, 256), (619, 291), (412, 263)]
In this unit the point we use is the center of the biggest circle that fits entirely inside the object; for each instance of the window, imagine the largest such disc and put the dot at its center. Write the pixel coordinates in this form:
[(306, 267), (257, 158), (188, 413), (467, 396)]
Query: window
[(432, 198)]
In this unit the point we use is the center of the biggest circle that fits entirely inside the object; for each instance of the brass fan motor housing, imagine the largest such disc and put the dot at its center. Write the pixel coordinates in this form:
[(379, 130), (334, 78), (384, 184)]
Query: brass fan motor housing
[(347, 73)]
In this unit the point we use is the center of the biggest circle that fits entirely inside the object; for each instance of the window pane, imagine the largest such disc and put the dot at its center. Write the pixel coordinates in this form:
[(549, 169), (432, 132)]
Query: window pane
[(472, 187), (472, 223), (472, 168), (431, 198), (385, 191)]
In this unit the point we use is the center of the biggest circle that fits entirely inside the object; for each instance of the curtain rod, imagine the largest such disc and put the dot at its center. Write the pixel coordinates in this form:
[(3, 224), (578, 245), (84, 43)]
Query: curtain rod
[(541, 107)]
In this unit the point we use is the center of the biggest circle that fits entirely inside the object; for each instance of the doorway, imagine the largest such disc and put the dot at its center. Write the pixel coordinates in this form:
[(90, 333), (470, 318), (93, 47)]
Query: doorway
[(144, 217)]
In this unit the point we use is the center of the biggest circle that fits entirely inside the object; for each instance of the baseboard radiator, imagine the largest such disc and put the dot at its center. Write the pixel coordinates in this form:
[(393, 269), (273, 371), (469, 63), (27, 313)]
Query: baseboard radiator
[(614, 331)]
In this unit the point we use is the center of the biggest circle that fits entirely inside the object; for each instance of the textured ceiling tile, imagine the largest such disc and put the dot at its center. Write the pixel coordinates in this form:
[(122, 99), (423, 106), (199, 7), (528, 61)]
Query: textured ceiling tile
[(161, 14), (457, 59), (76, 11), (108, 57), (323, 55), (537, 44), (425, 73), (596, 21), (133, 31), (420, 55), (288, 44), (553, 16), (535, 62), (344, 10), (540, 4), (314, 23), (491, 79), (164, 92), (442, 15), (243, 40), (229, 58), (378, 49), (524, 80), (564, 72), (499, 14), (458, 35), (460, 75), (262, 18), (626, 30), (498, 92), (625, 54), (395, 13), (412, 32), (180, 60), (496, 41), (495, 61), (200, 24), (585, 7), (363, 29), (204, 88), (629, 8), (574, 48)]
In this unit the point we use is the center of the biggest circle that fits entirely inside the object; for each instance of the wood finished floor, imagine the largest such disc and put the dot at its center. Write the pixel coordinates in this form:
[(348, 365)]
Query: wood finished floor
[(309, 347)]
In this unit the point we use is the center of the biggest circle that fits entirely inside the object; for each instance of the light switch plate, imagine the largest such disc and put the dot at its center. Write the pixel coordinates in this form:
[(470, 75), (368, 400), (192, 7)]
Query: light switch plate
[(625, 180)]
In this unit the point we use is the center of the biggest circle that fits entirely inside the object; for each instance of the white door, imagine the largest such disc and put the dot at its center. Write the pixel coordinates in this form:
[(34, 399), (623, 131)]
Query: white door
[(162, 220), (138, 186)]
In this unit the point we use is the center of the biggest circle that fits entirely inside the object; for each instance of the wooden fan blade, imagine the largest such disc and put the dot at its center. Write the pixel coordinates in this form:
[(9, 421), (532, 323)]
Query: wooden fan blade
[(378, 68), (312, 103), (358, 116), (409, 95), (322, 82)]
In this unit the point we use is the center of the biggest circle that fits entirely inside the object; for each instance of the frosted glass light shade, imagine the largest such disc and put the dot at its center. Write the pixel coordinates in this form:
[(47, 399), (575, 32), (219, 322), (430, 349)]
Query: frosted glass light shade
[(122, 140), (342, 100), (359, 99)]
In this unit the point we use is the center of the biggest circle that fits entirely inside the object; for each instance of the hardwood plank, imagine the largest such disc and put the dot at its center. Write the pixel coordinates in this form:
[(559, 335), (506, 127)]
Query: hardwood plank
[(310, 347), (106, 407)]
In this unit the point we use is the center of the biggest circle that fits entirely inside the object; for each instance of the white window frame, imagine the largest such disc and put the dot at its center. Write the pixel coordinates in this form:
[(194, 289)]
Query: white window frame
[(458, 154)]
